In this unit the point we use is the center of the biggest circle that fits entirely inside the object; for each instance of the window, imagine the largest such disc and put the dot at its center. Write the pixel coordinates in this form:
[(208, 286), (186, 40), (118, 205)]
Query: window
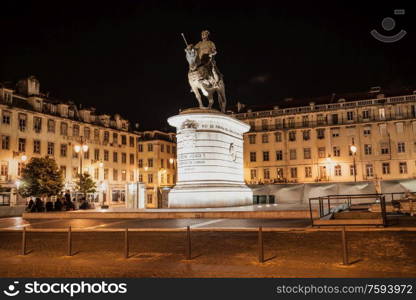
[(131, 141), (6, 116), (87, 133), (320, 119), (4, 168), (150, 162), (149, 178), (266, 174), (96, 134), (320, 133), (96, 154), (64, 150), (382, 129), (252, 156), (115, 138), (265, 155), (174, 149), (292, 154), (403, 168), (131, 158), (140, 148), (87, 154), (265, 138), (279, 155), (366, 114), (252, 139), (278, 123), (22, 122), (308, 172), (22, 145), (305, 121), (51, 126), (20, 167), (369, 170), (51, 148), (278, 136), (150, 147), (384, 148), (367, 130), (294, 172), (132, 176), (37, 124), (64, 129), (140, 177), (337, 151), (352, 170), (307, 153), (140, 162), (334, 119), (105, 174), (36, 146), (96, 173), (279, 173), (292, 136), (253, 174), (337, 170), (167, 148), (123, 158), (5, 142), (385, 168), (350, 115), (291, 122), (321, 152), (115, 174), (115, 156), (106, 137), (124, 140), (123, 175), (106, 155), (162, 163), (368, 149), (382, 113), (264, 124), (401, 147), (162, 147), (149, 198), (306, 135), (63, 171), (75, 130)]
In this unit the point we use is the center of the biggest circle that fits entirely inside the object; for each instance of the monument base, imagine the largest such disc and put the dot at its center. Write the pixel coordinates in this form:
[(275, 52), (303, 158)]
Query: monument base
[(206, 196)]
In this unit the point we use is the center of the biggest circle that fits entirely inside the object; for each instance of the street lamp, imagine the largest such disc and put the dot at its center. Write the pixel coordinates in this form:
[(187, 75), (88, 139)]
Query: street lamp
[(81, 149), (23, 158), (353, 150)]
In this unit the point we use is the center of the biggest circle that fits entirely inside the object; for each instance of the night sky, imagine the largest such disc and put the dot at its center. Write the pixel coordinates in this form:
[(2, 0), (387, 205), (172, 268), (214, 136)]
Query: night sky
[(128, 56)]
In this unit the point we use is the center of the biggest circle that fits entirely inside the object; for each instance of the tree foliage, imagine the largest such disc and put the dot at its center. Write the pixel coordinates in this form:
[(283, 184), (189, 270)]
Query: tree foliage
[(41, 177), (85, 184)]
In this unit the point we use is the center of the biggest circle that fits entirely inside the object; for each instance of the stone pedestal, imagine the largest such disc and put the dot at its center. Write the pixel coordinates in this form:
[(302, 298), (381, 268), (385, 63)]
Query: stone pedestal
[(210, 160)]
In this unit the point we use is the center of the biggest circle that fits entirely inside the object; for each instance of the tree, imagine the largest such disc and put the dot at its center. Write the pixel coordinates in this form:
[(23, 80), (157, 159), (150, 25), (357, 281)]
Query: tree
[(41, 177), (84, 184)]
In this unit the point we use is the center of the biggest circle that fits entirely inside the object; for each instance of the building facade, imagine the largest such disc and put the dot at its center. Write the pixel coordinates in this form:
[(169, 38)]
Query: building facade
[(157, 166), (358, 140), (34, 125)]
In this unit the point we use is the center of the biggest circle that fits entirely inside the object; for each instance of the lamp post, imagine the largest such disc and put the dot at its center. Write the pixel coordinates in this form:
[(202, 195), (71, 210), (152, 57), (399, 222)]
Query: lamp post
[(353, 149), (82, 148)]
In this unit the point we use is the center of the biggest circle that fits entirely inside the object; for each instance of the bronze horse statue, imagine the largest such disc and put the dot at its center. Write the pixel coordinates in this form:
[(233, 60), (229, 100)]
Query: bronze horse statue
[(201, 78)]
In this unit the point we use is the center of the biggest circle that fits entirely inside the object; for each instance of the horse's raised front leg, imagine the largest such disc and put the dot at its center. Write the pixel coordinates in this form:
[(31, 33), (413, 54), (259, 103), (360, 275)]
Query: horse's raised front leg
[(210, 97)]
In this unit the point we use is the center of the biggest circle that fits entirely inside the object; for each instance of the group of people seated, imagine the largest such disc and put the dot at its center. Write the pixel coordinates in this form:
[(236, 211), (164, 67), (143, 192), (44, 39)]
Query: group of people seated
[(62, 203)]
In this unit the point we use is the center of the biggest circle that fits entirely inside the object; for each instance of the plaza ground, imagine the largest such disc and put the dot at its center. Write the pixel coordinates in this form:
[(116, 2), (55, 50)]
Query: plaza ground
[(214, 254)]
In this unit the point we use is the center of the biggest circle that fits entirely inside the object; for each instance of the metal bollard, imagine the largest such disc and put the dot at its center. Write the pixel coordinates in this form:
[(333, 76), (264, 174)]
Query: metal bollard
[(126, 243), (188, 243), (69, 241), (260, 247), (344, 247), (24, 241)]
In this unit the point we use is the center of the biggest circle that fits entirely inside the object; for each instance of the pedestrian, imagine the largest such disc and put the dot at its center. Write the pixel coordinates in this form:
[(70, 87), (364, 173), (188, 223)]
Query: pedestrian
[(30, 205)]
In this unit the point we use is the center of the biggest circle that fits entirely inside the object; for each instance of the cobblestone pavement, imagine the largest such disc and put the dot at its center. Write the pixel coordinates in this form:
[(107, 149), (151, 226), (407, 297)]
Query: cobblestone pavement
[(214, 254)]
